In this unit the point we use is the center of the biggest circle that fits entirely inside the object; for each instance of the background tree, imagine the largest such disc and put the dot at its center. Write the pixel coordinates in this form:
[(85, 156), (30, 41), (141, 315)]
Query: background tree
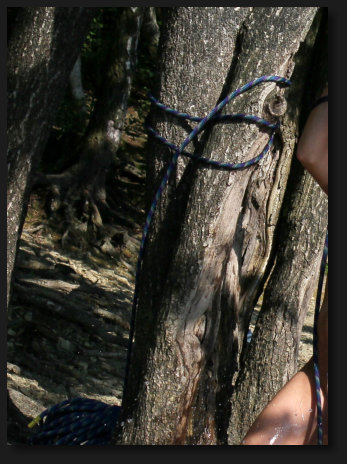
[(43, 45), (79, 200), (216, 235), (83, 144)]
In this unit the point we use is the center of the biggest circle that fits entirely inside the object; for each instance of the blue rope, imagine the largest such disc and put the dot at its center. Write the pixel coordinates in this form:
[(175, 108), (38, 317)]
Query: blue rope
[(79, 421), (315, 344), (213, 115), (82, 421)]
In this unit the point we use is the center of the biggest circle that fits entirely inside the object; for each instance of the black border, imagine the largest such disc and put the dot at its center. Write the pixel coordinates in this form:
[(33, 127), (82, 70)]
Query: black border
[(337, 64)]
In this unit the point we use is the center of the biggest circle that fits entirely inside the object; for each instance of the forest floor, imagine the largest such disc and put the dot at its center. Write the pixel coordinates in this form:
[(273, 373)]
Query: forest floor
[(69, 315)]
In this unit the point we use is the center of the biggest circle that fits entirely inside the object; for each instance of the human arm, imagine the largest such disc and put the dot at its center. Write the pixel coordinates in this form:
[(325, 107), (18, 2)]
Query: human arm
[(312, 150)]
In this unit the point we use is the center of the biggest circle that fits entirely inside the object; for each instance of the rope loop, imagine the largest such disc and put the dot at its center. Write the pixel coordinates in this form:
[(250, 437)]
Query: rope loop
[(214, 114)]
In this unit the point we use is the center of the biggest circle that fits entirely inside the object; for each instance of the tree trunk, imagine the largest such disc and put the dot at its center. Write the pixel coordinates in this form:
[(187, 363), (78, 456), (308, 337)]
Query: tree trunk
[(273, 350), (43, 46), (76, 84), (79, 202), (211, 240)]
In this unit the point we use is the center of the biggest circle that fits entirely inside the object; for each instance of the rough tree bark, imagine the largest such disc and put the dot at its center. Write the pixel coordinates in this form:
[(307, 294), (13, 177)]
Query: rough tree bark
[(43, 46), (211, 243), (300, 236)]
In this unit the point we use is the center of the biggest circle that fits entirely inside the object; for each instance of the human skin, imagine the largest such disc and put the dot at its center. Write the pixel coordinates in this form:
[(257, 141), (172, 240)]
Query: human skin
[(291, 416), (312, 150)]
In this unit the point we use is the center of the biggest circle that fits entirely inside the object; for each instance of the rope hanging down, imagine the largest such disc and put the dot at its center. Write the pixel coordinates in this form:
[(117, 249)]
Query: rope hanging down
[(82, 421), (315, 344)]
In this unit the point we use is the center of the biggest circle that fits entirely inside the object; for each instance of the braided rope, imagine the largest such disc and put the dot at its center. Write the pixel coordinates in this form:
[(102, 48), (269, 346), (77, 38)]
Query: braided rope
[(315, 344), (212, 162), (218, 117), (82, 421)]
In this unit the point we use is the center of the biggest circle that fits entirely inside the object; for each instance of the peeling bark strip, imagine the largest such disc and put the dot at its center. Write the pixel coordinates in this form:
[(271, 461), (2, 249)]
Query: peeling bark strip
[(207, 254), (42, 49)]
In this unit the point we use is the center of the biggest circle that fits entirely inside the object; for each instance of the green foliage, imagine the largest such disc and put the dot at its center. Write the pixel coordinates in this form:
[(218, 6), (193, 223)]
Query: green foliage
[(93, 39), (95, 50)]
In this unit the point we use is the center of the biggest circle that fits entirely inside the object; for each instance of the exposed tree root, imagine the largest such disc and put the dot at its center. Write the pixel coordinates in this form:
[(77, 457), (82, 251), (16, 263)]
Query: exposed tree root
[(81, 212)]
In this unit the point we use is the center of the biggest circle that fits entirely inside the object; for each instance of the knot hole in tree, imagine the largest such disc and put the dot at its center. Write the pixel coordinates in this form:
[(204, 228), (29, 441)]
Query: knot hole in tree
[(276, 105)]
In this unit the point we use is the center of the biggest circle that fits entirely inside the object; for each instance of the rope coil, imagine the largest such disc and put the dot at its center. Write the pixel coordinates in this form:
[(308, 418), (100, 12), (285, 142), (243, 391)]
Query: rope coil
[(79, 421)]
